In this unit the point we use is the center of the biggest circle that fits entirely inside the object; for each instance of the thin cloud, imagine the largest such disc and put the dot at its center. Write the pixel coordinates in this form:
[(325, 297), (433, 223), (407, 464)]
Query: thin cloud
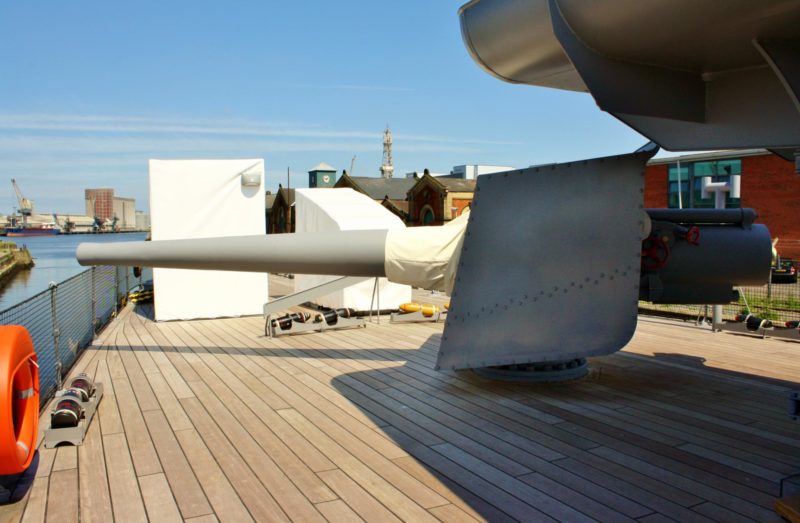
[(60, 123), (31, 147), (354, 87)]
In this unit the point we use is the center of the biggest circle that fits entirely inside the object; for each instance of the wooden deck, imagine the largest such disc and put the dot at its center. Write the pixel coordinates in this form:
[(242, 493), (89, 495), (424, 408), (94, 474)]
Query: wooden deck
[(209, 420)]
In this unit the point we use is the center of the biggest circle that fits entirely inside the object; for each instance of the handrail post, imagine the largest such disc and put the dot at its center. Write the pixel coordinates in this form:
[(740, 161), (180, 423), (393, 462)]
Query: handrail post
[(116, 291), (56, 333), (94, 301)]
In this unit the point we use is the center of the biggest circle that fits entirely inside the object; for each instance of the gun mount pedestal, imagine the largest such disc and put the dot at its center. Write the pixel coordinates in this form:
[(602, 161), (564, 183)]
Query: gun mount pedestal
[(544, 372)]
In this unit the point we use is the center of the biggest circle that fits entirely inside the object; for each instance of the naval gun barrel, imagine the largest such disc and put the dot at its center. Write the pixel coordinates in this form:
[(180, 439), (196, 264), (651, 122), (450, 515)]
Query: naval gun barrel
[(343, 253), (420, 256)]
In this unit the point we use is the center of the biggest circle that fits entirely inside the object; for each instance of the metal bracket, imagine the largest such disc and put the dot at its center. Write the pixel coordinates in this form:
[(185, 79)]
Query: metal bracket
[(794, 405), (741, 328), (302, 328), (774, 332), (75, 435), (416, 317), (290, 300)]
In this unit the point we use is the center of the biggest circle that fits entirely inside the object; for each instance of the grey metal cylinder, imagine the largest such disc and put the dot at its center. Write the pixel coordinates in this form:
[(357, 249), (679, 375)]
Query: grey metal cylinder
[(724, 255), (342, 253), (744, 216)]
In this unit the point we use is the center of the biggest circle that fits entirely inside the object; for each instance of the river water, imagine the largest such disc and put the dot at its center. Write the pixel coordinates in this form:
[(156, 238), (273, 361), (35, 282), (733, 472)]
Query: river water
[(54, 257)]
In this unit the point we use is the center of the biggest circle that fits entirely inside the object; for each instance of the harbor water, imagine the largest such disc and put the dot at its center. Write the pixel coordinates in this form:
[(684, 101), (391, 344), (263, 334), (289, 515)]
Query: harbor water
[(54, 257)]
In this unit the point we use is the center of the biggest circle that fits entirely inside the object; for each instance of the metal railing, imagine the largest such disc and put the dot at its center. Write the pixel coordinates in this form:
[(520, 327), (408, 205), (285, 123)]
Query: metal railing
[(775, 301), (63, 320)]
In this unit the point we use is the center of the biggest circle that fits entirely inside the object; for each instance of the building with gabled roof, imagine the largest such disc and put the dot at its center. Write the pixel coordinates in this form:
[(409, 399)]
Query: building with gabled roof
[(389, 192), (282, 216), (435, 201)]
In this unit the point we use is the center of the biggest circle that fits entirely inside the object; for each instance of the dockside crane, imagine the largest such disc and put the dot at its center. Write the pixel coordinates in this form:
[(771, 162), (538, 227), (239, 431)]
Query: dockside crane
[(25, 204)]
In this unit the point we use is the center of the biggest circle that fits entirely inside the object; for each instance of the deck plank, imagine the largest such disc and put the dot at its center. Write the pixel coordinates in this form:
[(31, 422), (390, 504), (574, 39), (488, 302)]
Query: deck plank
[(62, 504), (95, 498), (357, 498), (290, 464), (36, 506), (124, 488), (145, 459), (220, 493), (158, 499), (393, 498), (187, 491), (261, 503), (337, 510)]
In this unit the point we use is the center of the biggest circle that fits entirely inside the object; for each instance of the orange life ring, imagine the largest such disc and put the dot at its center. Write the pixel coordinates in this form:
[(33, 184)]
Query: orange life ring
[(19, 399)]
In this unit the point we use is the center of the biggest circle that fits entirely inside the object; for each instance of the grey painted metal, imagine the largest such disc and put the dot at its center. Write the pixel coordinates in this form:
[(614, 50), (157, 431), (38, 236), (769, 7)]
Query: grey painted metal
[(312, 326), (548, 372), (660, 91), (761, 331), (291, 300), (690, 75), (744, 217), (416, 317), (731, 255), (725, 256), (769, 120), (549, 270), (342, 253), (783, 56)]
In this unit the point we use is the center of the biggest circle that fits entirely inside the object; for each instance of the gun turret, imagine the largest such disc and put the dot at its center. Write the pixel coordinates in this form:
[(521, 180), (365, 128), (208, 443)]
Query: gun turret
[(522, 254)]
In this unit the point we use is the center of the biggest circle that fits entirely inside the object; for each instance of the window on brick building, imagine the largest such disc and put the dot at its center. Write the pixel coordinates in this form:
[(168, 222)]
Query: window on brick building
[(678, 198), (692, 174)]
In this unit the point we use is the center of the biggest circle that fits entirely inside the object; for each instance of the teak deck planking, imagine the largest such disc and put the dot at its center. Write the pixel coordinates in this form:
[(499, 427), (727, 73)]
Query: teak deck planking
[(209, 420)]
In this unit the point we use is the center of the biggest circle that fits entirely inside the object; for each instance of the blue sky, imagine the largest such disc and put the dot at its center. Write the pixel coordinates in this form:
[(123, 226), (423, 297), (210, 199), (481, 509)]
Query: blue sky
[(89, 91)]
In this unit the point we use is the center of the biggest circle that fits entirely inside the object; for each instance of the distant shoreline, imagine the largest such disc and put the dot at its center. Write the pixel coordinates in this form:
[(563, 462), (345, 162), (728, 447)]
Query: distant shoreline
[(12, 260)]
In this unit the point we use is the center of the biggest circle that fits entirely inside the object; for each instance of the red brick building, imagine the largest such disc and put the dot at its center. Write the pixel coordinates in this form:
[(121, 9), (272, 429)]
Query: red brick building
[(100, 203), (769, 185), (437, 200)]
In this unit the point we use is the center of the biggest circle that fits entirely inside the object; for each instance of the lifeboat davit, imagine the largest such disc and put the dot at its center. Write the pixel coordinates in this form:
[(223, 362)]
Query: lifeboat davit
[(19, 400)]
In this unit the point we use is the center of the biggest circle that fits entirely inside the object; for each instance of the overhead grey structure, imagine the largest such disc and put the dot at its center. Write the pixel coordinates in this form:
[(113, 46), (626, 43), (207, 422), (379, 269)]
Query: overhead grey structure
[(688, 74)]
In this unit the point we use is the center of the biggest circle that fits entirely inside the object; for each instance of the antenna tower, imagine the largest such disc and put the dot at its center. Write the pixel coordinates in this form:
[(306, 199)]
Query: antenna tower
[(387, 169)]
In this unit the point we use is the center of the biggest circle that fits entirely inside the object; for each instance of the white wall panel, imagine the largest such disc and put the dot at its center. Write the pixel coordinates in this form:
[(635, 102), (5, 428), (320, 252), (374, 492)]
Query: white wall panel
[(206, 199)]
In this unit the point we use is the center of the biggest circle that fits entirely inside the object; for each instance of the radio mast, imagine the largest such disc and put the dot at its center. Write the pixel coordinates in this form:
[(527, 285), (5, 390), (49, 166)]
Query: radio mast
[(387, 169)]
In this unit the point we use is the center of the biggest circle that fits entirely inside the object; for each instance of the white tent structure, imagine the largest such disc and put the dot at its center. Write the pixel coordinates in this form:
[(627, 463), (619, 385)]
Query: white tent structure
[(321, 210), (207, 199)]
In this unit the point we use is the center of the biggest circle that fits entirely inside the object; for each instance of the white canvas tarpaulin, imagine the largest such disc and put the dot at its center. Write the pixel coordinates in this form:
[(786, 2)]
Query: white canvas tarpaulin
[(426, 257), (320, 210), (206, 199)]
